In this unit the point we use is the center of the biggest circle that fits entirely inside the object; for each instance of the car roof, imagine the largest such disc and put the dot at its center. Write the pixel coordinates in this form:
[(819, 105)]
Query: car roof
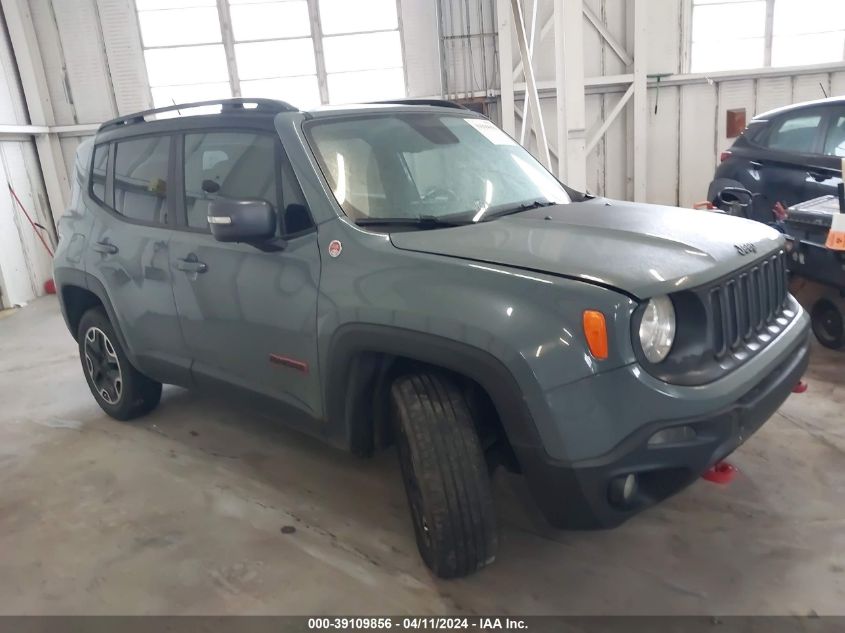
[(252, 108), (765, 116), (409, 105)]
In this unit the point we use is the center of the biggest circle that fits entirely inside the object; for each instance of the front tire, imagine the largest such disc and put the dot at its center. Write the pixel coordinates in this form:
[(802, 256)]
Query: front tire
[(445, 475), (828, 324), (121, 390)]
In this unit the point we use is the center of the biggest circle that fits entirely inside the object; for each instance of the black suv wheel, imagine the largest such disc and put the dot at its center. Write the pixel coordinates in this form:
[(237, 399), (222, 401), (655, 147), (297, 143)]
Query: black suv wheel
[(827, 322), (445, 475), (121, 390)]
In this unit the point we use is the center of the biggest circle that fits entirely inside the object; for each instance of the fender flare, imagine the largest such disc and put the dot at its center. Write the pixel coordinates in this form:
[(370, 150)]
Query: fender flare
[(344, 380), (65, 277)]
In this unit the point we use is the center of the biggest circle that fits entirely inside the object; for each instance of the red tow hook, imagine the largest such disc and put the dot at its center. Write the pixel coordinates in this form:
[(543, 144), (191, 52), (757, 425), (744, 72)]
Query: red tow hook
[(801, 387), (720, 473)]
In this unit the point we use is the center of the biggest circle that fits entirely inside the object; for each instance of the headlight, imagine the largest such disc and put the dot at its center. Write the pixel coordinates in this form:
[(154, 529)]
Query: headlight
[(657, 329)]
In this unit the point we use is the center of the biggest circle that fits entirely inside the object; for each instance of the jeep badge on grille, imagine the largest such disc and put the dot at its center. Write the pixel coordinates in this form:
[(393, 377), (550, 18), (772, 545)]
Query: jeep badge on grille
[(745, 249)]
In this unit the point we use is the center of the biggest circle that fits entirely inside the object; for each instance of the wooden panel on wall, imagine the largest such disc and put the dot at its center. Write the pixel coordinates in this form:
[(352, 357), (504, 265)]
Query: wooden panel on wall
[(615, 152), (732, 94), (12, 106), (772, 93), (87, 69), (837, 84), (663, 144), (810, 87), (49, 45), (24, 262), (664, 41), (122, 41), (697, 157), (594, 57), (596, 158)]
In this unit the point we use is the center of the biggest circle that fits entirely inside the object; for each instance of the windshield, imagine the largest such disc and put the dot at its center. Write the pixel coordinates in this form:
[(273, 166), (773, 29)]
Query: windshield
[(428, 165)]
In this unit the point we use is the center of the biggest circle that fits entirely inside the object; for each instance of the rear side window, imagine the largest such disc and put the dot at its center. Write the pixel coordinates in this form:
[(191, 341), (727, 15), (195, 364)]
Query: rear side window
[(834, 144), (98, 173), (140, 178), (795, 133), (229, 165)]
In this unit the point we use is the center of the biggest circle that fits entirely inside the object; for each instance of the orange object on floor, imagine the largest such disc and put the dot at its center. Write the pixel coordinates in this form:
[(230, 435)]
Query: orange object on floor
[(720, 473), (801, 387)]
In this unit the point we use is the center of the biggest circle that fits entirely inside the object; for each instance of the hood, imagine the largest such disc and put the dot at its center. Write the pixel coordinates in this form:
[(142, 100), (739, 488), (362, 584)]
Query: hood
[(641, 249)]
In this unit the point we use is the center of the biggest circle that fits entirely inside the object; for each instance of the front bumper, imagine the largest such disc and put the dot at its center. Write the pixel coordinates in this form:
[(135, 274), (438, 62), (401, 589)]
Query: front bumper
[(576, 495)]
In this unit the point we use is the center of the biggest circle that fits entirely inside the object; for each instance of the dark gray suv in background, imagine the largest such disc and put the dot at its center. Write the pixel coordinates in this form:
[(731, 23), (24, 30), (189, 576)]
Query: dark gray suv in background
[(789, 155), (407, 274)]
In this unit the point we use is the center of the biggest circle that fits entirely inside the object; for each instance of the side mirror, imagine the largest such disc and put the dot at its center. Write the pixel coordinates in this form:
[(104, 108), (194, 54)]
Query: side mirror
[(241, 220), (736, 195)]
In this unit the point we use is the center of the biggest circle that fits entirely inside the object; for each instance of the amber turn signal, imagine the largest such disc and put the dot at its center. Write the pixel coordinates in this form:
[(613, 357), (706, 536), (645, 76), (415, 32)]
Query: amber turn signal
[(595, 331)]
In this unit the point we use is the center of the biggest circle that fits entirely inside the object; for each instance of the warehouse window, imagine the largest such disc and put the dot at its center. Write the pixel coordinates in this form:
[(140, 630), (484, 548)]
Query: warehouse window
[(274, 50), (363, 50), (745, 34), (208, 49), (183, 49), (728, 34), (808, 32)]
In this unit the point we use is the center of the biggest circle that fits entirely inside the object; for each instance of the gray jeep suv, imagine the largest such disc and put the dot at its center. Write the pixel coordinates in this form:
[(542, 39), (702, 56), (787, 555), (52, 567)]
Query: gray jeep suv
[(407, 274)]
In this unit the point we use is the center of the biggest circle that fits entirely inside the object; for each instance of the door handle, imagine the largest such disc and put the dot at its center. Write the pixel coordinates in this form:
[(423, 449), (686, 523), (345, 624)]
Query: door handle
[(105, 247), (191, 265), (755, 165), (817, 176)]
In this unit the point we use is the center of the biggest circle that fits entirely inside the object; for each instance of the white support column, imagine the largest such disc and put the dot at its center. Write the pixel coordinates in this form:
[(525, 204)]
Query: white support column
[(225, 18), (569, 89), (503, 12), (34, 82), (531, 84), (521, 115), (639, 156), (769, 33), (527, 113)]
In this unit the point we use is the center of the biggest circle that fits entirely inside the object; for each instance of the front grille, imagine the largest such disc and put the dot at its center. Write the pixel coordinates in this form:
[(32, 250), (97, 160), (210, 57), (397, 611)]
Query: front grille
[(743, 305)]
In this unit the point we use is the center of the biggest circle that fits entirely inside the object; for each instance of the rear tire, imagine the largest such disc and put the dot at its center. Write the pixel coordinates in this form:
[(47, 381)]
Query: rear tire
[(445, 475), (828, 324), (121, 390)]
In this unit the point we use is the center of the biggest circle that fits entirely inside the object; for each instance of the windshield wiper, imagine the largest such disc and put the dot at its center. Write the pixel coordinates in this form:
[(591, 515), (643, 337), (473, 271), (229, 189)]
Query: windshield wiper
[(517, 208), (423, 222)]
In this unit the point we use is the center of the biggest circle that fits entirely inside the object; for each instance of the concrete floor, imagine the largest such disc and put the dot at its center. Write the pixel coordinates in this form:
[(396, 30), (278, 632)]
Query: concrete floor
[(182, 513)]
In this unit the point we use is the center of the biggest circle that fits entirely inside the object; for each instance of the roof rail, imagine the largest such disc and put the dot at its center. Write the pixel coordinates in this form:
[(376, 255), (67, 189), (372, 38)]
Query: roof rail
[(441, 103), (226, 105)]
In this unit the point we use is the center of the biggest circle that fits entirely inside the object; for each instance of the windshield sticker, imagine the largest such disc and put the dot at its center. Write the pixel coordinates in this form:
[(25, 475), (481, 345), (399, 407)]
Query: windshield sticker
[(491, 132)]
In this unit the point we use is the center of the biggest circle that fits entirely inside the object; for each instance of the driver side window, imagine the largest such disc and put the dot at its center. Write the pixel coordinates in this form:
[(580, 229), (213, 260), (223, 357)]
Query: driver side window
[(229, 165)]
